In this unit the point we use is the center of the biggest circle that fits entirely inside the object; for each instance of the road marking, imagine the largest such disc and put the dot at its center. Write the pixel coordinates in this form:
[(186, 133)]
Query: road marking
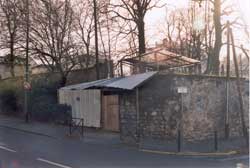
[(240, 165), (53, 163), (7, 149), (190, 153), (235, 158)]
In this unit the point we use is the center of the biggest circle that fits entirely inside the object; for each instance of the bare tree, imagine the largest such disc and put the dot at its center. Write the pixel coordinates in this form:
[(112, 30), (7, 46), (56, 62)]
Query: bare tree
[(85, 29), (181, 36), (11, 22), (52, 36), (135, 11), (214, 62), (220, 8), (176, 30)]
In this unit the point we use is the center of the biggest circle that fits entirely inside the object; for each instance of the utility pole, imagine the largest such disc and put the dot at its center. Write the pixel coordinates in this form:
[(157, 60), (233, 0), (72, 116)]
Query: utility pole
[(110, 70), (244, 129), (96, 42), (227, 82), (26, 94)]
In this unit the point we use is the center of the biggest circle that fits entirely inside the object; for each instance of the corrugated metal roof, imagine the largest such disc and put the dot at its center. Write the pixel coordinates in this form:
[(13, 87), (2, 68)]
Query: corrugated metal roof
[(127, 83), (82, 86)]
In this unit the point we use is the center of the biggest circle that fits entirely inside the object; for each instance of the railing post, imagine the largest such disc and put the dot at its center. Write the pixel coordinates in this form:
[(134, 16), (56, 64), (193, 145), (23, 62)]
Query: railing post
[(76, 124), (70, 128), (215, 140), (179, 140), (247, 132), (82, 125)]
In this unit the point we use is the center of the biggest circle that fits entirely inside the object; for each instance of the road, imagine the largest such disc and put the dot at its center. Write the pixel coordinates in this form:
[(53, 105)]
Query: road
[(23, 150)]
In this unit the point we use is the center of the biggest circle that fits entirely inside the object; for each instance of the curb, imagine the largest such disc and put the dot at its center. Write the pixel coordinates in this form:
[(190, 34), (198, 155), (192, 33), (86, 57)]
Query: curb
[(191, 153), (27, 131)]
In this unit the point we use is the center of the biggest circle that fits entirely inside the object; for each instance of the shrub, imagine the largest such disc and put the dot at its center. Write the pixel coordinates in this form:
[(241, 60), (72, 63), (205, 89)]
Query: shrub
[(42, 99), (61, 113), (46, 111), (40, 108), (9, 103), (11, 96), (43, 102)]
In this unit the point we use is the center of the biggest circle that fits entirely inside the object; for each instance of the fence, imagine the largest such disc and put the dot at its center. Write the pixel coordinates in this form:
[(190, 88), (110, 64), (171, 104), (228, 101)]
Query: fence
[(76, 125), (215, 143)]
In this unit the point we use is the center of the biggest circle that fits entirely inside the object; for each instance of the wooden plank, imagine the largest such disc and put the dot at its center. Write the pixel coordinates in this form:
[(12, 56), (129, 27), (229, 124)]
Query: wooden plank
[(111, 112), (84, 104), (91, 108)]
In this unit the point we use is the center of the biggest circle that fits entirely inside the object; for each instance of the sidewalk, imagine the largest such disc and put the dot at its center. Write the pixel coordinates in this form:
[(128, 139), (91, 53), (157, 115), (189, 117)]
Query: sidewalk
[(59, 132), (94, 136)]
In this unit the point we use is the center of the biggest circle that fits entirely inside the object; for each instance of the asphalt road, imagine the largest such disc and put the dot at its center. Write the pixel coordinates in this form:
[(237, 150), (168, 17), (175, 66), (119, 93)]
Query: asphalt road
[(23, 150)]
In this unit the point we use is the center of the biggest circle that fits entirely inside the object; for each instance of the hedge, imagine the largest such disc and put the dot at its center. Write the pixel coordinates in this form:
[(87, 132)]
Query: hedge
[(42, 99)]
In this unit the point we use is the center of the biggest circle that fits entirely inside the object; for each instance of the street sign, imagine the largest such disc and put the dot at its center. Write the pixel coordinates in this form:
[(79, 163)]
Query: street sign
[(182, 89)]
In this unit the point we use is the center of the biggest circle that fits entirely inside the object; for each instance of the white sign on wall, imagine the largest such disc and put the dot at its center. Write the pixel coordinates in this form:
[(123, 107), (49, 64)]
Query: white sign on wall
[(182, 89)]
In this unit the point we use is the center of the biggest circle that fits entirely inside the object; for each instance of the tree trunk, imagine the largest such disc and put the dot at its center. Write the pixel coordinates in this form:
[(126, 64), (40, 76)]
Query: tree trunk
[(11, 58), (214, 60), (63, 81), (87, 62), (96, 42), (141, 36), (209, 52), (141, 39), (198, 56)]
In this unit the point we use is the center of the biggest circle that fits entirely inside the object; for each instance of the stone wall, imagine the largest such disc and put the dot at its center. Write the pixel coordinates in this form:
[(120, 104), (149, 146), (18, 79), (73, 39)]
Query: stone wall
[(204, 108), (78, 76), (128, 122)]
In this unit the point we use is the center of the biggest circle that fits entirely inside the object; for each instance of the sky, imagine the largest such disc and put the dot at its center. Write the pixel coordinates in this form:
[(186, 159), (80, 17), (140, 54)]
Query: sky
[(157, 15)]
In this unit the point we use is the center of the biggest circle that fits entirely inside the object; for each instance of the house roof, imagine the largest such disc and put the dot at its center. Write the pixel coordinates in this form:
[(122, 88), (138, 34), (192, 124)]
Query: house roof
[(124, 83), (161, 58)]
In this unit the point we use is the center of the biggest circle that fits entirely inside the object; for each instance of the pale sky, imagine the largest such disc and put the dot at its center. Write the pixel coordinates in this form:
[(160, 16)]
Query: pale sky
[(157, 15)]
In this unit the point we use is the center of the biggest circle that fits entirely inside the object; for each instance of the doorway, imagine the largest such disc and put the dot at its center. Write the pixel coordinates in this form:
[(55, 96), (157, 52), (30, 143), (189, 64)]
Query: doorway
[(110, 112)]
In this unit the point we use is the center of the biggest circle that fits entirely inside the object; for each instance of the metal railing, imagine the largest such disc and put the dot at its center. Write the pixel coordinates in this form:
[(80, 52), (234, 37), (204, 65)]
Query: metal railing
[(76, 125)]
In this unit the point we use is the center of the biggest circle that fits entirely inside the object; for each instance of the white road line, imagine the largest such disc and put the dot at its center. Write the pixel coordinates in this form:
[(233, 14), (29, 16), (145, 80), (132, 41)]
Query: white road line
[(235, 158), (53, 163), (7, 149)]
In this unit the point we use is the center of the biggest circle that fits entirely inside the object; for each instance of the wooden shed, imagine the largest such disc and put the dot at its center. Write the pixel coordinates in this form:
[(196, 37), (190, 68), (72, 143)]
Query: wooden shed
[(97, 102)]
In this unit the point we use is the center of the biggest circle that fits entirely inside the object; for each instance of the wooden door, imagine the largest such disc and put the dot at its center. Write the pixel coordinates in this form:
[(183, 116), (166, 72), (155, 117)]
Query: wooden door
[(110, 112)]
